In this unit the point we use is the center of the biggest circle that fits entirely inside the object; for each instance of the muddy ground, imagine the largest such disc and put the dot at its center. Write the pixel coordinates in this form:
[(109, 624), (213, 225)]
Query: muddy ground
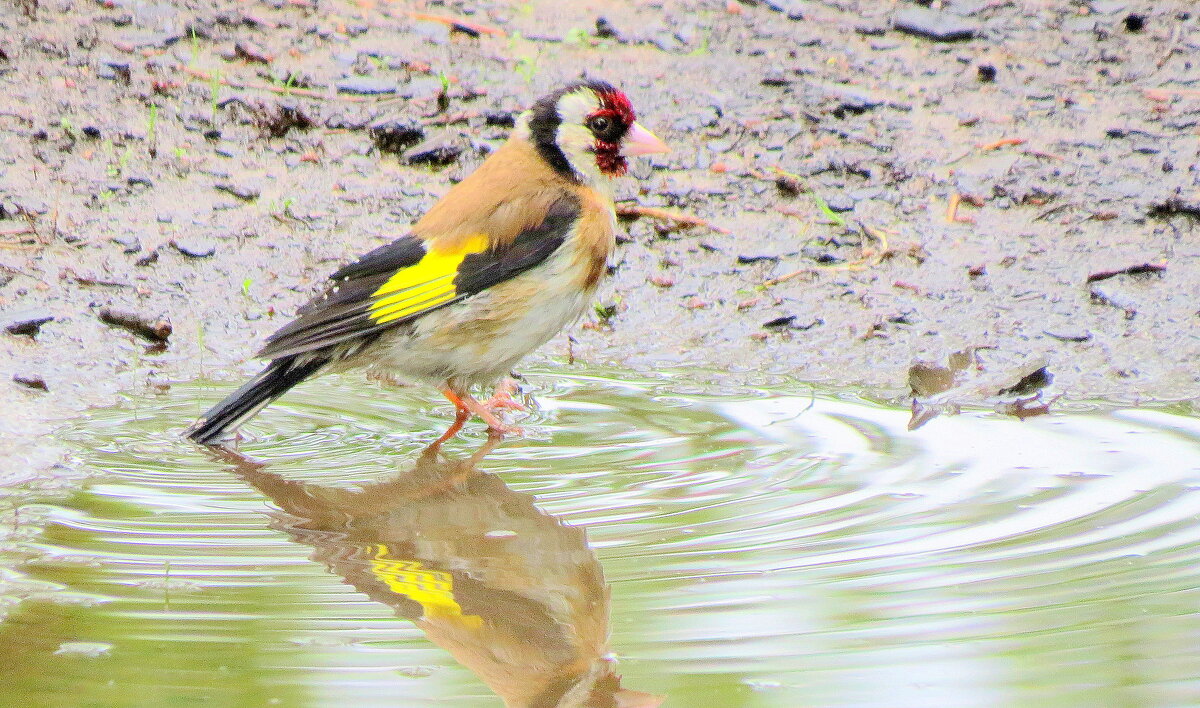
[(209, 166)]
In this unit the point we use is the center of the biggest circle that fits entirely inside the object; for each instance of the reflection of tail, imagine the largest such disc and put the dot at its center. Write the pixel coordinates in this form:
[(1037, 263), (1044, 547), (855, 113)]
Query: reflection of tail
[(274, 381)]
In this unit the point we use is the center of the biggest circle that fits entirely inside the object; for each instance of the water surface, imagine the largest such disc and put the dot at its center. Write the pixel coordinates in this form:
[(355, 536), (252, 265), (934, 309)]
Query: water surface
[(643, 540)]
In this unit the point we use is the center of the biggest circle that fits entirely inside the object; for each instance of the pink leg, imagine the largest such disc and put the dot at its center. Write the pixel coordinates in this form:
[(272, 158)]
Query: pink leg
[(461, 415), (502, 396), (495, 425)]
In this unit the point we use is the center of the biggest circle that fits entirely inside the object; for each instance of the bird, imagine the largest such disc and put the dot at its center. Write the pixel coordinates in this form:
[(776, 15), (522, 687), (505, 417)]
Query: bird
[(505, 260)]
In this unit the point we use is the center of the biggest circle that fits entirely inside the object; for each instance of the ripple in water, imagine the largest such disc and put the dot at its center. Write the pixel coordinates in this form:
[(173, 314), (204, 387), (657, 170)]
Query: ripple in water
[(743, 549)]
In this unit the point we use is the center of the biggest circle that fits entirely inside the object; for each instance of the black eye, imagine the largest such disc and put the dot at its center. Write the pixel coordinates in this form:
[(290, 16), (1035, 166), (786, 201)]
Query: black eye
[(600, 125)]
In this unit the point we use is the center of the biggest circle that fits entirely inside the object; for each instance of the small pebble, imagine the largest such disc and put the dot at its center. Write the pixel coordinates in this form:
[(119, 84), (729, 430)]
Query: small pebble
[(34, 381), (935, 25), (128, 243), (395, 135), (245, 192), (1135, 23), (195, 246), (366, 86), (434, 151), (25, 321), (1069, 336)]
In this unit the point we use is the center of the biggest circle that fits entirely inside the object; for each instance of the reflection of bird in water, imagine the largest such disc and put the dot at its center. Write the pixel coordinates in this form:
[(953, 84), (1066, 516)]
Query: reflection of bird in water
[(512, 593)]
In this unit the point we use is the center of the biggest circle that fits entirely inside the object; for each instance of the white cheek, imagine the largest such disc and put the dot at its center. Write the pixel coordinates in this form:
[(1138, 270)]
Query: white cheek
[(575, 140)]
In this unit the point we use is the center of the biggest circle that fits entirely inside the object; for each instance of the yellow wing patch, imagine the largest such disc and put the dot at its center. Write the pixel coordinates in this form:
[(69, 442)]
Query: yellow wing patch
[(428, 283), (432, 589)]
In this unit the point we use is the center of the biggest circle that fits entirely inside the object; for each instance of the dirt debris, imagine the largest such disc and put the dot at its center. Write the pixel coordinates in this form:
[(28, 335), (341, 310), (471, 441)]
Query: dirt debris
[(1064, 135)]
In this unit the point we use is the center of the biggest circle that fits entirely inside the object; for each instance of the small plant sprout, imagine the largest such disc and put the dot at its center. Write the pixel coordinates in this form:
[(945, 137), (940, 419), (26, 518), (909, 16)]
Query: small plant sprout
[(151, 125), (214, 88), (117, 167), (246, 286), (527, 67), (443, 98), (576, 36), (195, 47)]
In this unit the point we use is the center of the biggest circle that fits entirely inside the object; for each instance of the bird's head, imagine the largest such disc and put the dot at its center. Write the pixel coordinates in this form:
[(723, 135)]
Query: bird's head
[(588, 129)]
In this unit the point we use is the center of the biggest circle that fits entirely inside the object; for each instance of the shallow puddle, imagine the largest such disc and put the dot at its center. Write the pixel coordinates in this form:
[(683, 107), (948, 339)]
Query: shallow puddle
[(746, 549)]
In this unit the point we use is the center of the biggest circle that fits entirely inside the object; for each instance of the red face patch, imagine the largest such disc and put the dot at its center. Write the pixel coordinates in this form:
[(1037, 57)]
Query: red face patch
[(609, 124)]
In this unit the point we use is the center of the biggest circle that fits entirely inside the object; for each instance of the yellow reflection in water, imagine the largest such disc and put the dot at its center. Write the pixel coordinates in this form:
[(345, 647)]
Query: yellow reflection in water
[(514, 594)]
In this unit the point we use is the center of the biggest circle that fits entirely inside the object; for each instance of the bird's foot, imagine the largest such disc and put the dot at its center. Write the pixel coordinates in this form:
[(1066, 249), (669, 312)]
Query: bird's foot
[(466, 406), (502, 397)]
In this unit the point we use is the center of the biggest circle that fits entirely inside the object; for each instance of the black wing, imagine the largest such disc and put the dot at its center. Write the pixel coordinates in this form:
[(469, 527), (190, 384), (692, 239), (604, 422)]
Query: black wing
[(403, 280)]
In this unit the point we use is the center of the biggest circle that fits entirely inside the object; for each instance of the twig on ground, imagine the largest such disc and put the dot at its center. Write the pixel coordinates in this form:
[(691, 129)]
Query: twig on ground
[(1002, 142), (685, 220), (952, 215), (467, 26)]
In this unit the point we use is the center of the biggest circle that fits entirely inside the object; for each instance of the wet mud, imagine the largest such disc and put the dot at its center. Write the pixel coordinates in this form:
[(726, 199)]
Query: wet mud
[(884, 185)]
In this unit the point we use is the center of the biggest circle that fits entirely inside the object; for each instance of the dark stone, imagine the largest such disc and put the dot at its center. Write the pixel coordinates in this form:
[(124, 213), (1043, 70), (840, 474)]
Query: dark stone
[(504, 119), (339, 121), (605, 29), (91, 131), (840, 202), (34, 381), (987, 73), (1029, 383), (395, 135), (366, 86), (747, 260), (789, 322), (25, 321), (245, 192), (792, 9), (775, 77), (434, 151), (1135, 23), (877, 29), (195, 246), (851, 99), (1069, 335), (128, 243), (935, 25)]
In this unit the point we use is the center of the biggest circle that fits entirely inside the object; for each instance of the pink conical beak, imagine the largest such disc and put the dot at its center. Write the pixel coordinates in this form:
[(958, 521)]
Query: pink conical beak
[(639, 141)]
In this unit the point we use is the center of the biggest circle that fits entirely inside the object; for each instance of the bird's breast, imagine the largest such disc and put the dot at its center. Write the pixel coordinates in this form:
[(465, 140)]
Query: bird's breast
[(594, 237)]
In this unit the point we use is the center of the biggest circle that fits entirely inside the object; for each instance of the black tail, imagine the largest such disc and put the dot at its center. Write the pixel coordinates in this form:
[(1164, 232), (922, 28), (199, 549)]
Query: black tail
[(271, 383)]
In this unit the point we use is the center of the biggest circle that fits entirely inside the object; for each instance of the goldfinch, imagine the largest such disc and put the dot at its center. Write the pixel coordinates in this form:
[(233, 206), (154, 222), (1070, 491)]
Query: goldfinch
[(510, 256)]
